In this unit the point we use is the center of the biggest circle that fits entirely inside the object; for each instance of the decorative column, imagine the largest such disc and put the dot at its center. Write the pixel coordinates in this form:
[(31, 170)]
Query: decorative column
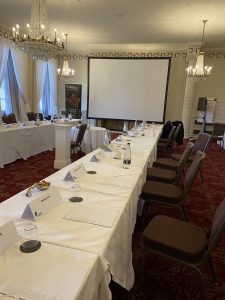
[(62, 145), (187, 117)]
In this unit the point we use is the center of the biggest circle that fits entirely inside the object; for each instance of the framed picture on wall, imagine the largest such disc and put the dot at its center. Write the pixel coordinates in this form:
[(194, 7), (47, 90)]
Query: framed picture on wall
[(73, 100)]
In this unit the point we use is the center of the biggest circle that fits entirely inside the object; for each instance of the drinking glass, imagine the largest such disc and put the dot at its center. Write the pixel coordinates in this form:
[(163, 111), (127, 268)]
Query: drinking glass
[(29, 237)]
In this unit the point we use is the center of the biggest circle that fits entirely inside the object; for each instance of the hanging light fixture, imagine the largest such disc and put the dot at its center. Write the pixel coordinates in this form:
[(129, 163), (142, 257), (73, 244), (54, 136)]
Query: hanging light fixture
[(200, 71), (37, 41), (66, 72)]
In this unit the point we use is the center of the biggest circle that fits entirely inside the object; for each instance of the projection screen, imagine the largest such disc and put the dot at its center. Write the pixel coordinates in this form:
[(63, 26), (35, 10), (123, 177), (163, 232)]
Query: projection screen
[(128, 88)]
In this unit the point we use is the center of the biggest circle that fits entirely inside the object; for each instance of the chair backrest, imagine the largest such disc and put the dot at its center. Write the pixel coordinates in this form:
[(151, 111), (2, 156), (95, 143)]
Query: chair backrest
[(176, 132), (218, 129), (81, 133), (40, 116), (172, 131), (5, 119), (31, 116), (12, 118), (192, 171), (184, 157), (201, 142), (217, 228)]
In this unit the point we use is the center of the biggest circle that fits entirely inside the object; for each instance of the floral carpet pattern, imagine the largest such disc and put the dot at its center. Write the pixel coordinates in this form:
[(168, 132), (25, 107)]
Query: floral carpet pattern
[(163, 280)]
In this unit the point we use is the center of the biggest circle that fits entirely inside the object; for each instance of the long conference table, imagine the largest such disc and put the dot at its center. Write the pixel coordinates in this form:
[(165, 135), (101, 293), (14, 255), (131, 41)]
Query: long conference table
[(80, 256)]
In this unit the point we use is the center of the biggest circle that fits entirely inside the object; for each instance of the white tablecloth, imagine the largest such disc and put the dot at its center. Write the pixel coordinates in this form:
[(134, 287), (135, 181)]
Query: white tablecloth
[(24, 141), (93, 138), (111, 188), (54, 273)]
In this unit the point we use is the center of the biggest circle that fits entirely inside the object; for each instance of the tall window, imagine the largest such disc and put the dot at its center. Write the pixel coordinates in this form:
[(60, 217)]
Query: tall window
[(9, 101)]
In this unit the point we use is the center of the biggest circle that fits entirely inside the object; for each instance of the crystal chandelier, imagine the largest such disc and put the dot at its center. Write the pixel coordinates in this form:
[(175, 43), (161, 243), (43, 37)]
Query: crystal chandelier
[(37, 41), (200, 71), (66, 72)]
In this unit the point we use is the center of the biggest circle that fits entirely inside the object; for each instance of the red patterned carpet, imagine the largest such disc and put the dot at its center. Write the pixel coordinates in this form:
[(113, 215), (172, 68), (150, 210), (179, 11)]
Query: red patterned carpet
[(163, 281)]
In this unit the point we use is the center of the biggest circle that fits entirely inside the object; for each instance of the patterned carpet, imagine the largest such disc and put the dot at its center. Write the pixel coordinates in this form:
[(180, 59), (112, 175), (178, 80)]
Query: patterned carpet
[(163, 280)]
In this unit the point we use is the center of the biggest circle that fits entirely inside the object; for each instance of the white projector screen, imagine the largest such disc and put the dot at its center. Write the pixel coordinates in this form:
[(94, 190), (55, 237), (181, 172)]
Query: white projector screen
[(128, 89)]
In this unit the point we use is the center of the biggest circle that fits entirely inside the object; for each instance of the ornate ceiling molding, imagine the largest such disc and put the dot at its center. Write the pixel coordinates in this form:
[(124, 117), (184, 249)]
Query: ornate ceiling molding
[(211, 54)]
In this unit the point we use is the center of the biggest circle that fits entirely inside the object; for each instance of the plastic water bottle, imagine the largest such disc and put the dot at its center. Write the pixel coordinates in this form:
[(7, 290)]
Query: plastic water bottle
[(125, 127), (106, 139), (127, 157), (37, 119)]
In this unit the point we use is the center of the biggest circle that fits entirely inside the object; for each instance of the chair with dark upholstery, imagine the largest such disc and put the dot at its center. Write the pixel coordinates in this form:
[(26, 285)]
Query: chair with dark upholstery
[(5, 119), (31, 116), (173, 175), (218, 133), (79, 139), (184, 243), (164, 144), (9, 119), (171, 194), (200, 144), (41, 117)]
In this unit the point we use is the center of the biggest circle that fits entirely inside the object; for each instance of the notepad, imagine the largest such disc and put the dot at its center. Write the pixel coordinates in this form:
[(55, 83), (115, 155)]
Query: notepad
[(93, 215)]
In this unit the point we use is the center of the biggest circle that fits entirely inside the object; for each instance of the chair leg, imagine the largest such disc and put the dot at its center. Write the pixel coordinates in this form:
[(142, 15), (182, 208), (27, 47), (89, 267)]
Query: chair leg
[(140, 284), (182, 212), (213, 270), (201, 175), (202, 285), (144, 213)]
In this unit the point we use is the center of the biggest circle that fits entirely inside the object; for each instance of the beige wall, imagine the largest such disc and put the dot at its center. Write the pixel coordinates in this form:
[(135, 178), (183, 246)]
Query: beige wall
[(176, 90), (212, 87), (80, 77)]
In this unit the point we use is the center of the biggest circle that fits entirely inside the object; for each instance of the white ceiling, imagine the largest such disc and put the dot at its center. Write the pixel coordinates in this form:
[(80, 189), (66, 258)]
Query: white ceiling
[(127, 24)]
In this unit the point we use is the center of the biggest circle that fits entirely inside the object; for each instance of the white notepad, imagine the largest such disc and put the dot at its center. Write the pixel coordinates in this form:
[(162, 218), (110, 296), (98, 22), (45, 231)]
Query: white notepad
[(93, 215)]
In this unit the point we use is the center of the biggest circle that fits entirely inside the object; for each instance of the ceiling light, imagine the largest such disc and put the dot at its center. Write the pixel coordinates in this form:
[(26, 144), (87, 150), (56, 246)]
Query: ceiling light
[(37, 41), (66, 72), (200, 71)]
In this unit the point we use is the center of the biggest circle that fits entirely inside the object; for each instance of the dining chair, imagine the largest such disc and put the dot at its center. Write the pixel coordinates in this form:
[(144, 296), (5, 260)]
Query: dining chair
[(41, 117), (11, 118), (200, 144), (164, 144), (31, 116), (170, 175), (170, 194), (184, 243), (218, 133), (77, 143)]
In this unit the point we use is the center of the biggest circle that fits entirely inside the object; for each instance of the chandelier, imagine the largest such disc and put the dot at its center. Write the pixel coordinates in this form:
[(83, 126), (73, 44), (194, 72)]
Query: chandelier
[(37, 42), (200, 71), (66, 72)]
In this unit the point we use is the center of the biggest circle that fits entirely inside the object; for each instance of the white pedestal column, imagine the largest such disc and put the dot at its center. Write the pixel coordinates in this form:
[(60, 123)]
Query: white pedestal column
[(187, 117), (62, 145)]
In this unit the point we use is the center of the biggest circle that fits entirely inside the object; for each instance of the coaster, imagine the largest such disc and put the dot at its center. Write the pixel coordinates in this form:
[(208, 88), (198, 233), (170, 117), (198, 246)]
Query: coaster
[(75, 199), (30, 246), (91, 172)]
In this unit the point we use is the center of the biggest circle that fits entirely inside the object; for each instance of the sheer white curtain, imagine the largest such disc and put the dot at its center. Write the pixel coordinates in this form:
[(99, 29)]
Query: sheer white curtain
[(41, 71), (20, 63), (52, 71), (46, 86), (4, 52)]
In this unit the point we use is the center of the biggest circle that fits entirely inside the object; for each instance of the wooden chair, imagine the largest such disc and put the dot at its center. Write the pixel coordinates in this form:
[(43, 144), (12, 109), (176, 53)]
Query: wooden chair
[(184, 243)]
